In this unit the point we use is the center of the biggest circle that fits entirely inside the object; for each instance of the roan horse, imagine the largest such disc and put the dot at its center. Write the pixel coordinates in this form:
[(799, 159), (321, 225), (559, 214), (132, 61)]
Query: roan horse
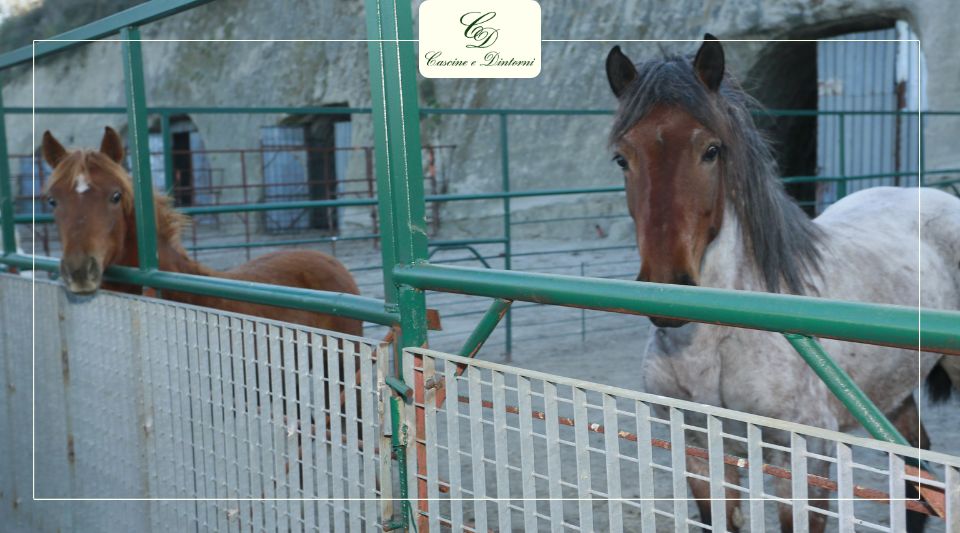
[(708, 208), (92, 199)]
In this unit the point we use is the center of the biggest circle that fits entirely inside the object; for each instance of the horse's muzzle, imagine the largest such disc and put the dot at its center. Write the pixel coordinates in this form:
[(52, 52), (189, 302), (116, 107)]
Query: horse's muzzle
[(678, 279), (81, 274), (668, 322)]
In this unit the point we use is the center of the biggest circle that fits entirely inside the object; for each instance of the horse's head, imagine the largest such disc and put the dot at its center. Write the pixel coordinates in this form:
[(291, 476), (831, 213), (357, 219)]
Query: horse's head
[(666, 142), (91, 197)]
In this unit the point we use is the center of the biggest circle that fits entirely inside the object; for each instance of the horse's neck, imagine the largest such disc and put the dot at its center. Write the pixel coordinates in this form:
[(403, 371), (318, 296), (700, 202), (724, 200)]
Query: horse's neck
[(726, 262), (170, 257)]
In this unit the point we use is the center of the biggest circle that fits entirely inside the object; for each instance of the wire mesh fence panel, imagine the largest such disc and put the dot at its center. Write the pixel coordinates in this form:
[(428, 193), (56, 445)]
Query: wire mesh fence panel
[(492, 447), (184, 418)]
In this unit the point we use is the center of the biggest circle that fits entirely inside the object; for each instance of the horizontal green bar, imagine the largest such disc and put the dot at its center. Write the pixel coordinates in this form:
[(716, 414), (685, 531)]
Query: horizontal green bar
[(887, 325), (192, 110), (20, 110), (350, 305), (286, 242), (908, 173), (350, 202), (465, 242), (135, 16), (317, 240), (317, 110)]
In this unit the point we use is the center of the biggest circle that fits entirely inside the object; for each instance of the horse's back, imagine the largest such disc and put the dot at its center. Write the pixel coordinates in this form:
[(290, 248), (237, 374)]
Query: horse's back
[(931, 214), (908, 231), (307, 269)]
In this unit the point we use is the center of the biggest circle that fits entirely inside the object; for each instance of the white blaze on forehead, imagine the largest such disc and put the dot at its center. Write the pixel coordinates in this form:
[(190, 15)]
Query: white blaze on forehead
[(696, 133), (82, 185)]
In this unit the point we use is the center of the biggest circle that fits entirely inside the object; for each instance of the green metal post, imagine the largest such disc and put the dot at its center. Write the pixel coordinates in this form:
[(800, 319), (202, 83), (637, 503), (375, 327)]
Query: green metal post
[(396, 119), (921, 154), (139, 147), (840, 384), (167, 138), (6, 194), (507, 245), (842, 184), (403, 226)]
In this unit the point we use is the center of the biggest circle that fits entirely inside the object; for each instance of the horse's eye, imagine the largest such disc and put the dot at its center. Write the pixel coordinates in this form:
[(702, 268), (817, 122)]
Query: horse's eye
[(115, 198), (620, 161), (52, 202), (711, 154)]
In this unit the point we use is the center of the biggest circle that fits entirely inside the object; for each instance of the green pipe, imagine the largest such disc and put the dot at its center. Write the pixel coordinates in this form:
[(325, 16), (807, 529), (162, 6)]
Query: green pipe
[(393, 67), (888, 325), (190, 110), (8, 234), (473, 251), (167, 137), (488, 322), (288, 242), (135, 16), (508, 245), (333, 303), (808, 179), (400, 388), (348, 202), (139, 147), (843, 387), (922, 155), (842, 184), (310, 110), (400, 452)]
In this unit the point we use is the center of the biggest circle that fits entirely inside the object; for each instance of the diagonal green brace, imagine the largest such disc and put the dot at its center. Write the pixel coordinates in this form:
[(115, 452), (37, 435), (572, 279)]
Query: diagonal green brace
[(844, 388)]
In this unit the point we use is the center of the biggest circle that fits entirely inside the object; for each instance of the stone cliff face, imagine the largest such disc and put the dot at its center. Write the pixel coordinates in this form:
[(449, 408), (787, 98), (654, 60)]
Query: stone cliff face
[(545, 151)]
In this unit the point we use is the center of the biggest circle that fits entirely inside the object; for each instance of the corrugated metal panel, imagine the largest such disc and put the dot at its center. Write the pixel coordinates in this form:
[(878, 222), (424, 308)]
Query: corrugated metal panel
[(864, 77), (285, 176)]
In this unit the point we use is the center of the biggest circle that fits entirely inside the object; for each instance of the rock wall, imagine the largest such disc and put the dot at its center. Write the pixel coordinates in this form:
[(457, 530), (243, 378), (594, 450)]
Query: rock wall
[(545, 151)]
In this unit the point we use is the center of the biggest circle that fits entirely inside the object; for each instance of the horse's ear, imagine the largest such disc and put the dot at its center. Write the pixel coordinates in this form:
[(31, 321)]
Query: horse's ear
[(620, 71), (709, 63), (112, 145), (53, 151)]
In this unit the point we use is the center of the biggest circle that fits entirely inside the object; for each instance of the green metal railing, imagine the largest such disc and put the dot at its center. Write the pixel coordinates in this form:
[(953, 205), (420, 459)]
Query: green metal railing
[(406, 270)]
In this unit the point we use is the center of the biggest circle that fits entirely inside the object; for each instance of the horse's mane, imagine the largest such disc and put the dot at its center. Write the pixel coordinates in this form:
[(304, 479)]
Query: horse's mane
[(778, 234), (99, 167)]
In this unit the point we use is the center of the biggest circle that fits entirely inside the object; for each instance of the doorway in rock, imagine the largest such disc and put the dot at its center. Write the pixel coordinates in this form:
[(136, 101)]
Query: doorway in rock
[(305, 158), (859, 67)]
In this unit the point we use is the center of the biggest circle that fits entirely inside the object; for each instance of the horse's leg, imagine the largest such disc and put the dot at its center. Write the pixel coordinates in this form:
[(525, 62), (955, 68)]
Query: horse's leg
[(815, 496), (906, 419), (700, 488), (701, 493)]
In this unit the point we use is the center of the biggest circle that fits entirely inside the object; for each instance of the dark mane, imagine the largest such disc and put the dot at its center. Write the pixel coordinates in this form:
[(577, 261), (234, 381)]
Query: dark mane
[(779, 236)]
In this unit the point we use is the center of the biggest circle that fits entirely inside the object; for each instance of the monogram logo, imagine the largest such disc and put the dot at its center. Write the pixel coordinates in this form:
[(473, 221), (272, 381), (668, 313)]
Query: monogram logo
[(483, 36)]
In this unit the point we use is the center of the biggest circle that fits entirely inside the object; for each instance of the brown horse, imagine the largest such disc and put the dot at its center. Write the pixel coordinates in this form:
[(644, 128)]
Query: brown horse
[(92, 199)]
